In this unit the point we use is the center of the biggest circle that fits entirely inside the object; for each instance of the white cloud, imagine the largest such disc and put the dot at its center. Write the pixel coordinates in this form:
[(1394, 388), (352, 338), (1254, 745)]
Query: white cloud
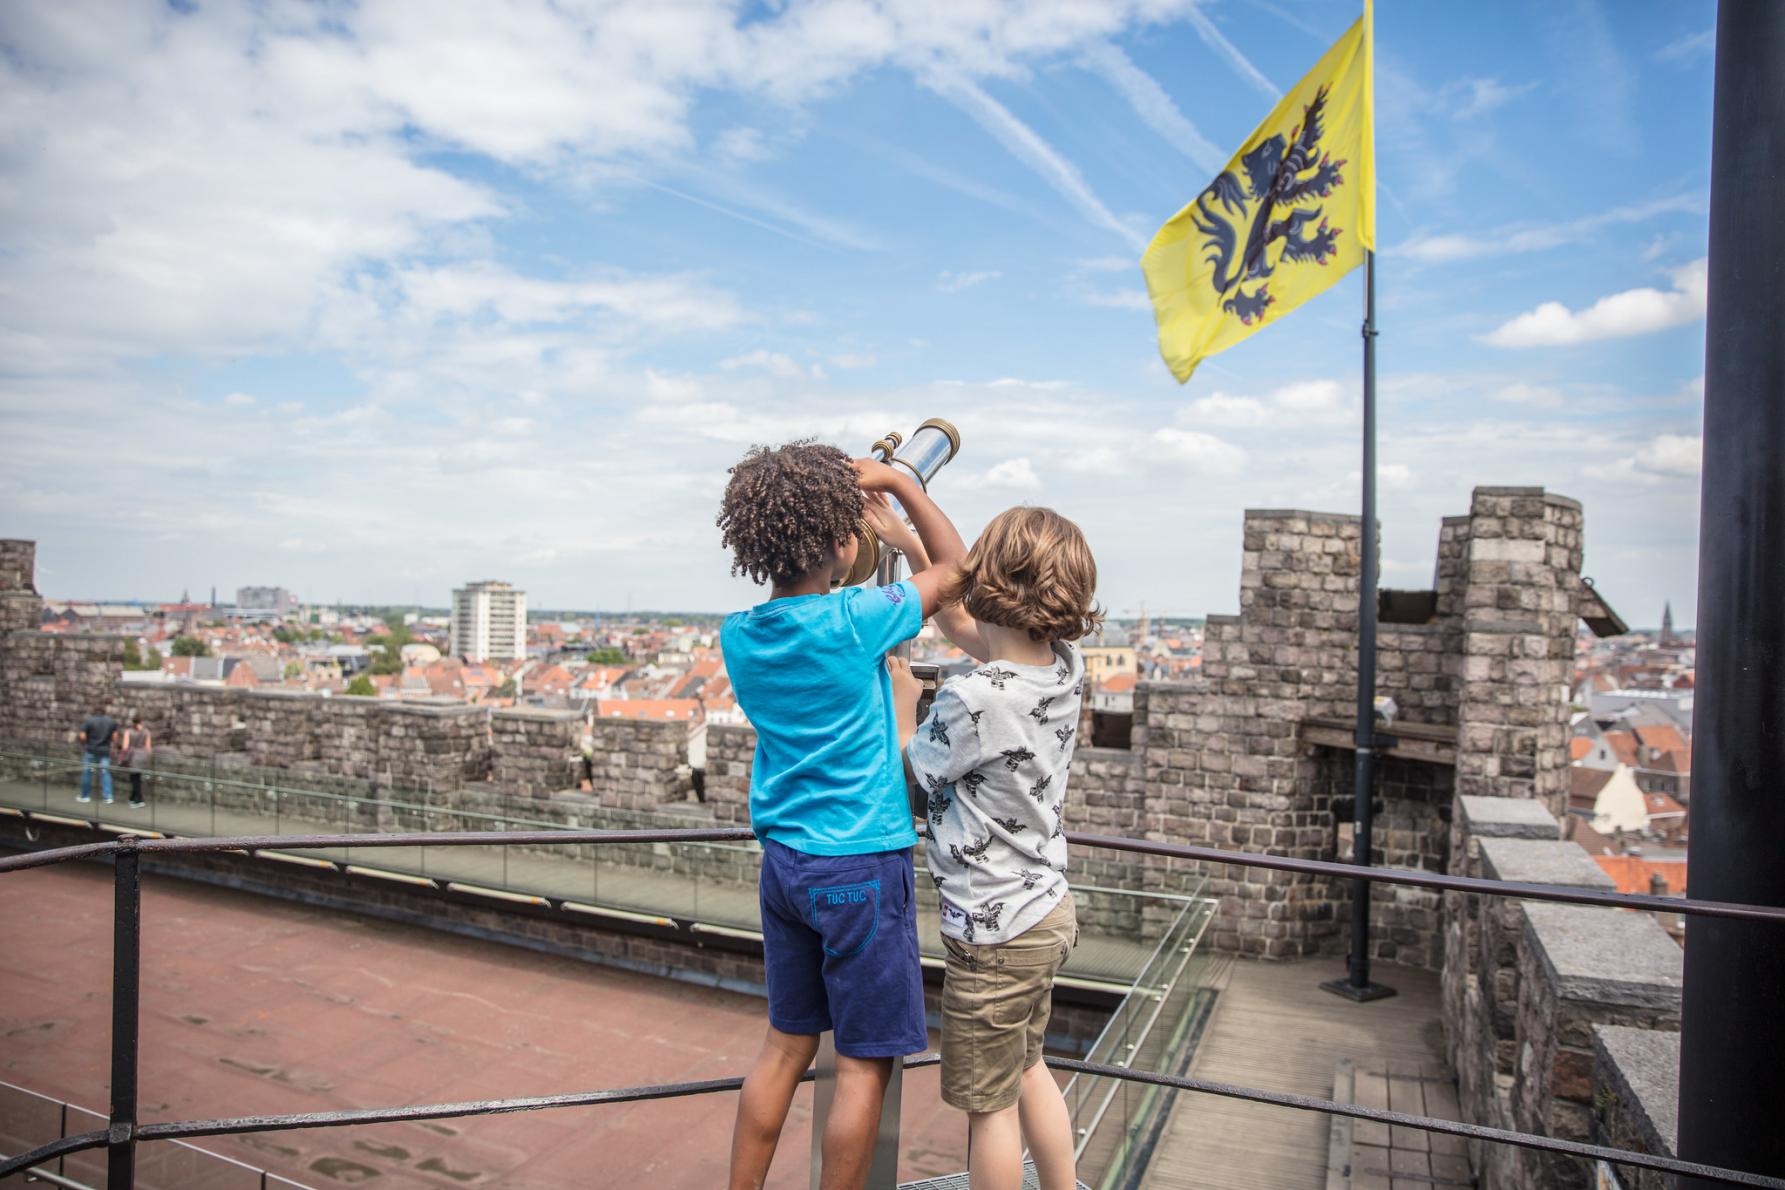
[(674, 302), (512, 427), (1242, 65), (1445, 248), (1690, 47), (775, 363), (1205, 452), (1665, 457), (238, 400), (1097, 460), (853, 359), (1155, 108), (1390, 477), (1472, 98), (1119, 299), (1632, 312), (1308, 402), (1541, 396), (1027, 146), (949, 282), (1225, 409), (1672, 454), (742, 144), (661, 386), (1012, 475)]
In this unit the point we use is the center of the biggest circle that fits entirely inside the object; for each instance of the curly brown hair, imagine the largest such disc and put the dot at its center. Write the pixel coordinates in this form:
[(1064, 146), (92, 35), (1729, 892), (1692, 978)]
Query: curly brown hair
[(786, 508), (1031, 569)]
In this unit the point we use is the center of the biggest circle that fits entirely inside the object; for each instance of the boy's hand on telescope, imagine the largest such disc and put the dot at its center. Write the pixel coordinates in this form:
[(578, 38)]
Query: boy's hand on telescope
[(891, 527), (906, 690), (875, 476)]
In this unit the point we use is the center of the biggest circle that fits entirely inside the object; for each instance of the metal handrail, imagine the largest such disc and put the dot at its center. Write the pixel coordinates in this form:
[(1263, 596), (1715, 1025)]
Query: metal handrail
[(123, 1132), (1249, 859)]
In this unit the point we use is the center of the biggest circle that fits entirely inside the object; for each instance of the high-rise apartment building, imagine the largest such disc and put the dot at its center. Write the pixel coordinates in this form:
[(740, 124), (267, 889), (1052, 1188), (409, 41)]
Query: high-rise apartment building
[(277, 600), (489, 622)]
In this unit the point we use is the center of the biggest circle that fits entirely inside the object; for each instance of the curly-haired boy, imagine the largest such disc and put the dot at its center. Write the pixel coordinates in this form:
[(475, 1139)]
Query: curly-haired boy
[(990, 765), (827, 792)]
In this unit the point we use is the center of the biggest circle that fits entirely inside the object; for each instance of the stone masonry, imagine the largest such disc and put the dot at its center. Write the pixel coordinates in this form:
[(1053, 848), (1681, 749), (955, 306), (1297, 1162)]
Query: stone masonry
[(1219, 761)]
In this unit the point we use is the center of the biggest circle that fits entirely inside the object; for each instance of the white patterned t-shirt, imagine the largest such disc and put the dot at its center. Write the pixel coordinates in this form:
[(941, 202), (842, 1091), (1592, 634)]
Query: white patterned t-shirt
[(993, 757)]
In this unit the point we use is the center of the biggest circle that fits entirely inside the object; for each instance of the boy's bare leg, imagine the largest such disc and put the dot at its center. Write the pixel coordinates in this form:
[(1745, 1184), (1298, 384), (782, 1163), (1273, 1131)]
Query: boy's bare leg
[(995, 1144), (854, 1122), (763, 1103), (1047, 1129)]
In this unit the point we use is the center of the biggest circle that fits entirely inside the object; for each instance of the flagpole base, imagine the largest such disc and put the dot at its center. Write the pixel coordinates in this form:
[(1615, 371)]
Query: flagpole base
[(1360, 995)]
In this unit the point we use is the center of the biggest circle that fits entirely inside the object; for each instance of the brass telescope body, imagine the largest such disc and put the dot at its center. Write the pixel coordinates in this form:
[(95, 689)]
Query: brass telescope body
[(929, 449)]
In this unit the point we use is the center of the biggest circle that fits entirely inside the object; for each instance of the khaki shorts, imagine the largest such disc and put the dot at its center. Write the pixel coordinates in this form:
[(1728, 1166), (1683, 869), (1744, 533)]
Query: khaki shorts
[(995, 1004)]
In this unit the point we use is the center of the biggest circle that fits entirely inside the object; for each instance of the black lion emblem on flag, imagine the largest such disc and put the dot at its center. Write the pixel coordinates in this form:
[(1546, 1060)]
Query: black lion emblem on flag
[(1282, 177)]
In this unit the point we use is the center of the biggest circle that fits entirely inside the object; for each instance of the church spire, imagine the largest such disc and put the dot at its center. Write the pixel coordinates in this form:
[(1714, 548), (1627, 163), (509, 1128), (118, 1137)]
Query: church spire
[(1667, 623)]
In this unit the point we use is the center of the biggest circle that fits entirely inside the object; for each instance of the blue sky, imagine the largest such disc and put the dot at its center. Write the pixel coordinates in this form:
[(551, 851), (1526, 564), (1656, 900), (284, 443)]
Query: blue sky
[(367, 300)]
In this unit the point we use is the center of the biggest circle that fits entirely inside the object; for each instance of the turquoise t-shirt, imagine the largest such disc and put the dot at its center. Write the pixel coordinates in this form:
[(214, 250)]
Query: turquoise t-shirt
[(810, 674)]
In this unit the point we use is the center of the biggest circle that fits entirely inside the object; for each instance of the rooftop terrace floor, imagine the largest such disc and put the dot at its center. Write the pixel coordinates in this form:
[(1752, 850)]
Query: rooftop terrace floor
[(254, 1005), (1274, 1028)]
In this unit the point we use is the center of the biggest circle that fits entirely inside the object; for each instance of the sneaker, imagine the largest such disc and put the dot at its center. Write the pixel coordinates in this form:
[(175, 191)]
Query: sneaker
[(108, 801), (81, 797), (138, 805)]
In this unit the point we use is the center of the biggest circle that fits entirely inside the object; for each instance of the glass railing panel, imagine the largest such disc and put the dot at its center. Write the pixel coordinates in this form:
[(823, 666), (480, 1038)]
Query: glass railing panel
[(87, 1167), (27, 1120)]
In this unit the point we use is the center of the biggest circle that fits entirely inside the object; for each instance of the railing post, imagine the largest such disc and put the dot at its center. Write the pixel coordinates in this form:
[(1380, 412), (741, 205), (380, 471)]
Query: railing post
[(1732, 1032), (126, 982)]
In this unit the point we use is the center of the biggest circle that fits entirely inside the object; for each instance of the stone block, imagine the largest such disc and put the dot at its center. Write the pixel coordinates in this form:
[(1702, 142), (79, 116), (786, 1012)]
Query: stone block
[(1605, 957), (1542, 861), (1636, 1090)]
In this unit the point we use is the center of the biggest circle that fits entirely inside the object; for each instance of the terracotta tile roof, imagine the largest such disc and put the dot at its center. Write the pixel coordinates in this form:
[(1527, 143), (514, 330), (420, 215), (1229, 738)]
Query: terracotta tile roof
[(1591, 841), (1633, 872), (1664, 738), (1118, 683), (1584, 785), (1579, 747), (1660, 805), (1623, 746), (686, 709)]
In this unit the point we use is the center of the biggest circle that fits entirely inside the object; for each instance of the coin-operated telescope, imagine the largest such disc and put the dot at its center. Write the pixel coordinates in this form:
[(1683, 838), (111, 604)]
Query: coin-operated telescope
[(931, 446)]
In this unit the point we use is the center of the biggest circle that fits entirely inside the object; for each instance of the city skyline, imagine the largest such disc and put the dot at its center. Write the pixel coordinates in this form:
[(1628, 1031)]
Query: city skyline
[(310, 319)]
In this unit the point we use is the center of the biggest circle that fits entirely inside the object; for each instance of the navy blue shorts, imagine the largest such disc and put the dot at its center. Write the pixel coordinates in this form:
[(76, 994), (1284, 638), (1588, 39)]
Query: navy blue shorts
[(839, 945)]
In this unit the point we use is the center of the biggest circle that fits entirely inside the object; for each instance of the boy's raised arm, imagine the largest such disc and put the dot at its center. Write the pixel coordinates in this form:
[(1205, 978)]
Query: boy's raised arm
[(934, 529), (961, 629)]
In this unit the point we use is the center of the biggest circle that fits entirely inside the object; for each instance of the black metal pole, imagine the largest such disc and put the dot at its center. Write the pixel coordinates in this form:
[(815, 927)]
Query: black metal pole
[(1356, 985), (1733, 1032), (126, 972)]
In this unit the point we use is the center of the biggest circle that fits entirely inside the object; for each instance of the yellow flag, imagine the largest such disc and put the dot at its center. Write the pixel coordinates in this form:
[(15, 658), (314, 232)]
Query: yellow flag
[(1293, 212)]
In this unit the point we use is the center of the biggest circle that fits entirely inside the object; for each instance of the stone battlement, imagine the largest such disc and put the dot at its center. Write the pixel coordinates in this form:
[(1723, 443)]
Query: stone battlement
[(1227, 760)]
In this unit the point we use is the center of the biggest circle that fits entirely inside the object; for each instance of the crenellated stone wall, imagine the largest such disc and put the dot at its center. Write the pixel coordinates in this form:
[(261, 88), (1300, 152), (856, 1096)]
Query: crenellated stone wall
[(1527, 984), (1223, 761)]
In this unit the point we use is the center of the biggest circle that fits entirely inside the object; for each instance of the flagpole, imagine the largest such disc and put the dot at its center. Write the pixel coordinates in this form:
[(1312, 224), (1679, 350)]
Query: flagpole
[(1357, 985)]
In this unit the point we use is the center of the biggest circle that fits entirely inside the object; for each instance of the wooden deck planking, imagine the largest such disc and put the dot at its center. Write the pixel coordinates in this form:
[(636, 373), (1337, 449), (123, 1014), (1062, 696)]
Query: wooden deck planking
[(1275, 1029)]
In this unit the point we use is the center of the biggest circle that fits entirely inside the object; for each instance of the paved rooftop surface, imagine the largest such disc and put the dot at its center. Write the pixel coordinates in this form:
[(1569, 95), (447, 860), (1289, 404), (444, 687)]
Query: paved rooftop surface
[(255, 1005)]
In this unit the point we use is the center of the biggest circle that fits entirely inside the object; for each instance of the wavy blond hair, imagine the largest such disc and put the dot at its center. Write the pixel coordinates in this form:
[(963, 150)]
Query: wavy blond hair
[(1031, 569)]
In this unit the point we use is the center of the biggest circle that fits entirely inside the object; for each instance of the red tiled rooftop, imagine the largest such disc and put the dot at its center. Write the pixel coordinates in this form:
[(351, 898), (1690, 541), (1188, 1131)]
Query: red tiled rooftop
[(1632, 872), (686, 709)]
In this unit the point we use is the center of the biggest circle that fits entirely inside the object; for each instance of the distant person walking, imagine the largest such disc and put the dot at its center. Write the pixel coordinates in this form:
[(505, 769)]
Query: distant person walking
[(95, 736), (136, 753)]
